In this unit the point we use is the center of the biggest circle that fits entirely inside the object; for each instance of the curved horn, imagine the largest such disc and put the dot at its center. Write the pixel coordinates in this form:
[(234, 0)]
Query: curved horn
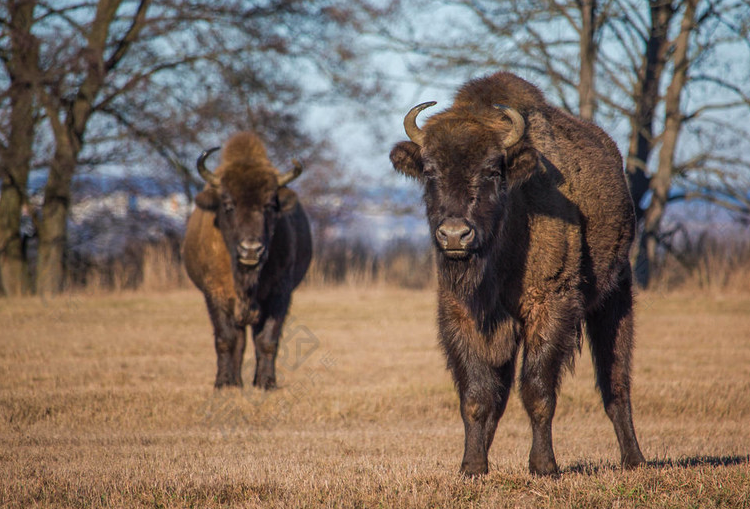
[(204, 172), (292, 174), (414, 133), (519, 125)]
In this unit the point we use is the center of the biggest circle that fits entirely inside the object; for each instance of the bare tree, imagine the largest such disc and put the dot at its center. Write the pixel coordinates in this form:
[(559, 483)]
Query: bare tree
[(589, 49), (151, 82), (19, 57), (647, 45), (649, 64), (68, 115), (683, 43), (661, 181)]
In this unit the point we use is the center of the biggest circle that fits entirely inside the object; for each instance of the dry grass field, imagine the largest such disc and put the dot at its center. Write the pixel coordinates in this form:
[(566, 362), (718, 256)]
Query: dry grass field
[(107, 401)]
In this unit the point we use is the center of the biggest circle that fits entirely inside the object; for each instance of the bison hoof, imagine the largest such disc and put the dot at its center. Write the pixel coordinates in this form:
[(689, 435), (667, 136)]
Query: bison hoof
[(266, 385), (546, 468), (633, 460), (474, 469), (224, 384)]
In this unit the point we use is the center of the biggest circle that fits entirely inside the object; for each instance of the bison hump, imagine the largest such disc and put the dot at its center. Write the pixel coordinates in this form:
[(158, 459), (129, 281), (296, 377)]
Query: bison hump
[(500, 88)]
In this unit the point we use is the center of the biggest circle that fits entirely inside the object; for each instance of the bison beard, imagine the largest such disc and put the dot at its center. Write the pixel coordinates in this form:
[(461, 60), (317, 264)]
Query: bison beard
[(532, 221), (247, 246)]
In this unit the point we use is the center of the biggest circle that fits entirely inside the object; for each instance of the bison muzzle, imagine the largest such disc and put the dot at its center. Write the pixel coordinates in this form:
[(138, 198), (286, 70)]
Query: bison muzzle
[(532, 221), (247, 246)]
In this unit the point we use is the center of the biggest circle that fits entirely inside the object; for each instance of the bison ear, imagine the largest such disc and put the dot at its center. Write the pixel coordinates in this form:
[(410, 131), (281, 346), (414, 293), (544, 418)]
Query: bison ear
[(208, 199), (521, 162), (407, 159), (287, 200)]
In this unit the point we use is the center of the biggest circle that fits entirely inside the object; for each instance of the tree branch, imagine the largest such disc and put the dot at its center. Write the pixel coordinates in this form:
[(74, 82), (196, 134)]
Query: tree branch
[(139, 20)]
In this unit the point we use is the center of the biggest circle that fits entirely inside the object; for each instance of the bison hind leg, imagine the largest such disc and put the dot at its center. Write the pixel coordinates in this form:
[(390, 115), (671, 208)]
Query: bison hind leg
[(610, 332)]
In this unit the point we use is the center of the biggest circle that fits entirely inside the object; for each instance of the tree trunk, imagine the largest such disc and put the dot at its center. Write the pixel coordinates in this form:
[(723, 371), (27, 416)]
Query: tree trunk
[(13, 267), (661, 181), (14, 270), (646, 99), (50, 273), (642, 123), (15, 162), (588, 48), (69, 141)]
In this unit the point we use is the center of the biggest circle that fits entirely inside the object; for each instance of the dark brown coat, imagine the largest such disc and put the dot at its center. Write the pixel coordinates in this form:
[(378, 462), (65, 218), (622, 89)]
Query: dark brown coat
[(247, 246), (532, 221)]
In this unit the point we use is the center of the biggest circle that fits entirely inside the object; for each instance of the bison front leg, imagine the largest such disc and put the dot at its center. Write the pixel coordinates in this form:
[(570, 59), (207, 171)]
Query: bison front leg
[(539, 378), (266, 333), (610, 331), (229, 341), (549, 345), (483, 391)]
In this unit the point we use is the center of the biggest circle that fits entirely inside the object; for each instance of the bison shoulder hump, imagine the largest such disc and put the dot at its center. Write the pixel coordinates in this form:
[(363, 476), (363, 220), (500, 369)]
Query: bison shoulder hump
[(501, 88), (244, 146)]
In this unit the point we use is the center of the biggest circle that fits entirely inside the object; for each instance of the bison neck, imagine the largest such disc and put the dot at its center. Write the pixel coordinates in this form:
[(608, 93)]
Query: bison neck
[(463, 278), (473, 315), (246, 305), (474, 282), (488, 283)]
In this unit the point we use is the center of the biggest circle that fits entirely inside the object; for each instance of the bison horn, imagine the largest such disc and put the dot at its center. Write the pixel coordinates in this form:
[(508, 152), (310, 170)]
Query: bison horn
[(414, 133), (519, 125), (204, 172), (292, 174)]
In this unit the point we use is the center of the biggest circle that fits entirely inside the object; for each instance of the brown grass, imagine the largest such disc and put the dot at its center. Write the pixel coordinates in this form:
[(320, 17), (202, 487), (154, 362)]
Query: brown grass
[(707, 263), (107, 401)]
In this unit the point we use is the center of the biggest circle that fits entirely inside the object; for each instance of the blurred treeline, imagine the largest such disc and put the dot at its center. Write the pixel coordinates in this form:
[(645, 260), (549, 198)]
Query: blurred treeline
[(158, 266), (704, 263), (142, 86)]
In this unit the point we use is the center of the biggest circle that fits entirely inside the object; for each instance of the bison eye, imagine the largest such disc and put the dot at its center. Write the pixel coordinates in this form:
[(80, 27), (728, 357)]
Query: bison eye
[(272, 205), (494, 175), (496, 172), (429, 174), (430, 170)]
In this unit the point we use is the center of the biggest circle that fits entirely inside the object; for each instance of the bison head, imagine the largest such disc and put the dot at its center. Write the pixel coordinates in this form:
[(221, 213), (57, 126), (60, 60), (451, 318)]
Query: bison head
[(467, 159), (248, 197)]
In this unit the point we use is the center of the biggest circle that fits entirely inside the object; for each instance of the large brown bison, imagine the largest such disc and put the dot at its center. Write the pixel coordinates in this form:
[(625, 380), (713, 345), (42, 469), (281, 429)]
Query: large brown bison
[(532, 221), (247, 246)]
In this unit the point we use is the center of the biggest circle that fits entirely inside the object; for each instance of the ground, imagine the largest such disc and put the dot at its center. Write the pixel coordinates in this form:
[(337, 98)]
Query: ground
[(108, 401)]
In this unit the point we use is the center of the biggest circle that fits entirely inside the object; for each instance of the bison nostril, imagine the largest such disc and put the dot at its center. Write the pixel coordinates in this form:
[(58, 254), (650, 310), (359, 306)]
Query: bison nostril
[(454, 234), (441, 236), (248, 247), (467, 237)]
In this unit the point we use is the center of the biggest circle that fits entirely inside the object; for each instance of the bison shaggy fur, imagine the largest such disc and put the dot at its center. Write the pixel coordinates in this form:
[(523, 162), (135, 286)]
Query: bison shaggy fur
[(532, 221), (247, 246)]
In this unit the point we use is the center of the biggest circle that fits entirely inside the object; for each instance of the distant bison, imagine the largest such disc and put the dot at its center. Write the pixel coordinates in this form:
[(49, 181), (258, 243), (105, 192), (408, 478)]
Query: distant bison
[(533, 221), (247, 246)]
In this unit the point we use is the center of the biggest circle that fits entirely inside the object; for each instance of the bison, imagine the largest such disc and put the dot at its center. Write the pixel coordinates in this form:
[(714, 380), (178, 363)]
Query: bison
[(247, 246), (532, 221)]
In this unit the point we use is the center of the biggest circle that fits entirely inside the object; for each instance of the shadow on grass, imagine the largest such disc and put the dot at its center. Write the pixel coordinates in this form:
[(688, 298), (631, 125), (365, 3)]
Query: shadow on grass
[(695, 461), (699, 461)]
